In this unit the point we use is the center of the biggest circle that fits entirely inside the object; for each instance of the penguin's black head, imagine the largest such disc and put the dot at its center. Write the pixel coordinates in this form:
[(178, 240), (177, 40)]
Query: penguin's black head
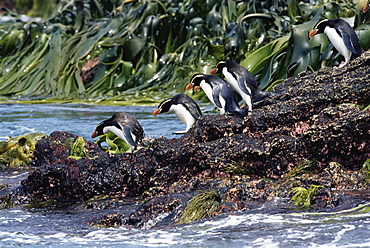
[(320, 27), (195, 81), (219, 67), (99, 130), (197, 78), (163, 107)]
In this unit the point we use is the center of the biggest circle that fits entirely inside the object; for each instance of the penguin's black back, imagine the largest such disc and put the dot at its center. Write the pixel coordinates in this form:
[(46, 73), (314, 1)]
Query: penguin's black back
[(249, 80), (186, 101), (124, 119), (248, 77)]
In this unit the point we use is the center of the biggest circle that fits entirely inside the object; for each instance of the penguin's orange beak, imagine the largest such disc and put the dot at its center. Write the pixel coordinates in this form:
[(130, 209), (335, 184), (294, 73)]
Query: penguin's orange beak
[(157, 111), (312, 33), (213, 71), (189, 86), (94, 134), (365, 8), (197, 87)]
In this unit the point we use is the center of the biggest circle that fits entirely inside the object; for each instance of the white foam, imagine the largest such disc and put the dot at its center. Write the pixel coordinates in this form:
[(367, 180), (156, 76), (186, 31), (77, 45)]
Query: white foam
[(19, 237), (132, 237), (265, 242), (339, 235), (25, 129)]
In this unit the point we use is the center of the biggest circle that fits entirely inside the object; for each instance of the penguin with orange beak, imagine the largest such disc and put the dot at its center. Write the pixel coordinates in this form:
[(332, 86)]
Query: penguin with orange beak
[(186, 109), (218, 92), (126, 127), (242, 81), (342, 36)]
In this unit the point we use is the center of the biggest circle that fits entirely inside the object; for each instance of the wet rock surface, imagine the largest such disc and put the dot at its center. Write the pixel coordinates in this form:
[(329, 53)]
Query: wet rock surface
[(314, 131)]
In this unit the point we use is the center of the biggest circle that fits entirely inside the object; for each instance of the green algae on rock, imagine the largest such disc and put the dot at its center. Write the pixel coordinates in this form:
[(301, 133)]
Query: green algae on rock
[(77, 148), (302, 196), (19, 151), (201, 206)]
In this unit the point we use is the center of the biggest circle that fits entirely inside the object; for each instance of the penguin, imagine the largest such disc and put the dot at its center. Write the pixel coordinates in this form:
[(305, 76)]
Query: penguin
[(342, 36), (218, 92), (126, 127), (186, 109), (242, 81)]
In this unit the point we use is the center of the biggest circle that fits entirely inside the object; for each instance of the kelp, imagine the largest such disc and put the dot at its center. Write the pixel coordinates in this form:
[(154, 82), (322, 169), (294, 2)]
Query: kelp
[(366, 165), (114, 143), (236, 169), (149, 49)]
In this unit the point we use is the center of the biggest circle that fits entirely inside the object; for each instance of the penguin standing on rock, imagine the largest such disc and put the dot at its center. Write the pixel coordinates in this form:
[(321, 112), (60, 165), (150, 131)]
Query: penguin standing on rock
[(218, 92), (186, 109), (342, 36), (126, 127), (242, 81)]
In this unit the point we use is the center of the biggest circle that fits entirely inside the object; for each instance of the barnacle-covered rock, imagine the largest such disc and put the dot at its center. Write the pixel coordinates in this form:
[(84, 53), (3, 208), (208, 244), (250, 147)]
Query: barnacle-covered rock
[(314, 131)]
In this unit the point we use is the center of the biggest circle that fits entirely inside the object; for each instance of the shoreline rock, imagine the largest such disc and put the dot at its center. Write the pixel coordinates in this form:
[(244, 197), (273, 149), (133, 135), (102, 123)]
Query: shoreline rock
[(312, 132)]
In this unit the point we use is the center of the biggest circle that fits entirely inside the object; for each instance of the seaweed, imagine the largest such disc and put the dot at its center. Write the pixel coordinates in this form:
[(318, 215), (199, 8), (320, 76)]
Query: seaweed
[(18, 151), (302, 197), (200, 206)]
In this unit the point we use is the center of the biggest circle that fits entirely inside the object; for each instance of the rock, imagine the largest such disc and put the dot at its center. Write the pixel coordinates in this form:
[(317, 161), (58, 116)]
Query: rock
[(313, 117), (56, 149)]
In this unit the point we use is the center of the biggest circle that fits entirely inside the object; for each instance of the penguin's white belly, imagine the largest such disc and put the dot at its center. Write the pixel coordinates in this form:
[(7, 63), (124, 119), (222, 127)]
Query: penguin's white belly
[(183, 114), (234, 84), (208, 90), (223, 104), (337, 42), (114, 130), (232, 81)]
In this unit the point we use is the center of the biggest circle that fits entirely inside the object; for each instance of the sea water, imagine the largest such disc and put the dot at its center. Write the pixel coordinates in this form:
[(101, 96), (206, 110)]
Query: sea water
[(79, 119)]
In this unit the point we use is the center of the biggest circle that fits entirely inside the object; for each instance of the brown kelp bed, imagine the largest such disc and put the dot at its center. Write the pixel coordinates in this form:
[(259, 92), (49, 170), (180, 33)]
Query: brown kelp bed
[(142, 51)]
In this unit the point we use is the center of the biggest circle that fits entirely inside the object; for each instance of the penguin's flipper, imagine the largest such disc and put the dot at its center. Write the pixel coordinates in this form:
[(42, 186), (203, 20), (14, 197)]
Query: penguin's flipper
[(193, 108), (357, 45), (215, 94), (242, 86), (348, 41), (128, 137), (122, 133)]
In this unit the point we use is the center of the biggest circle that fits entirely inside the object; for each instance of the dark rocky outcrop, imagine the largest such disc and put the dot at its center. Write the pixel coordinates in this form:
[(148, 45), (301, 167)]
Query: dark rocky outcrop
[(317, 117)]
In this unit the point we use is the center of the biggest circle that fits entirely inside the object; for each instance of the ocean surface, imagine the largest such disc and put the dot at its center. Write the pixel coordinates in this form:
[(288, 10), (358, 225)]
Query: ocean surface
[(268, 226), (18, 119)]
